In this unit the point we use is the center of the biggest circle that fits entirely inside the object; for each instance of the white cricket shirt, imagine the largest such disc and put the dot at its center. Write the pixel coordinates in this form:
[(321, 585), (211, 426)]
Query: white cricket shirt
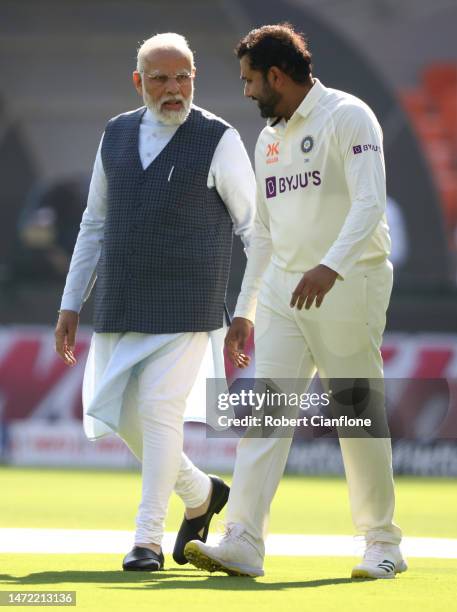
[(321, 195)]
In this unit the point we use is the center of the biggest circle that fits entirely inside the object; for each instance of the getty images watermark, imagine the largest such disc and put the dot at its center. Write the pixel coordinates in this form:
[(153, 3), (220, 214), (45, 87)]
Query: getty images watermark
[(264, 402), (316, 408)]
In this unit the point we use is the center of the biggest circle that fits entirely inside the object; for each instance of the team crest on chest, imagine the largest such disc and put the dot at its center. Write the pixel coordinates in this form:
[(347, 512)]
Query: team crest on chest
[(307, 144)]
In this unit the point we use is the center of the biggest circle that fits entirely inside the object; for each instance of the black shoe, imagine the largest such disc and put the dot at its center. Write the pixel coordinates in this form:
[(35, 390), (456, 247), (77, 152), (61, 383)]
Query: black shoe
[(190, 528), (141, 559)]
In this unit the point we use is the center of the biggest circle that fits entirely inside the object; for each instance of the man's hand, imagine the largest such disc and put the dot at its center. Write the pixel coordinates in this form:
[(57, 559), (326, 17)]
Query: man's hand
[(235, 341), (65, 335), (313, 286)]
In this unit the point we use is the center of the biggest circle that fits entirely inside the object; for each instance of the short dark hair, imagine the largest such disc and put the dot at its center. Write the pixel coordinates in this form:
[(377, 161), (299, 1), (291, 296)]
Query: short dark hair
[(277, 45)]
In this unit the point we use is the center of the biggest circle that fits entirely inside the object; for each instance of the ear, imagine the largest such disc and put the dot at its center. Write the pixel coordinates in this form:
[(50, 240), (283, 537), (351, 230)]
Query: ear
[(275, 77), (137, 82)]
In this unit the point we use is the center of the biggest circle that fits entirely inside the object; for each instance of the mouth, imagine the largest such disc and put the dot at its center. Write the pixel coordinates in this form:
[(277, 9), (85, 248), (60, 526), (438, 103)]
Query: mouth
[(172, 105)]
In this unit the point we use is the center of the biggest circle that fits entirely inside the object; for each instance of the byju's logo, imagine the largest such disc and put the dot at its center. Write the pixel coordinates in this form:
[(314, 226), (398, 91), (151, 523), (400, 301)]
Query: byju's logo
[(291, 183), (366, 147), (270, 187)]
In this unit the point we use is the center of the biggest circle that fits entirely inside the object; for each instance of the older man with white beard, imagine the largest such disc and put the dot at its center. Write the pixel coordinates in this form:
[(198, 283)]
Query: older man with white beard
[(171, 182)]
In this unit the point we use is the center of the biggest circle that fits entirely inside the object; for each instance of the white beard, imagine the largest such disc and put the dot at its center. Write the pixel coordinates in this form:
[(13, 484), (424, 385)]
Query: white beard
[(169, 117)]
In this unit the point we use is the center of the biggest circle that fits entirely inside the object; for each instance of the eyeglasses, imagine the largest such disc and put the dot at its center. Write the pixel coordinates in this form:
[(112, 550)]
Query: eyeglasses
[(182, 78)]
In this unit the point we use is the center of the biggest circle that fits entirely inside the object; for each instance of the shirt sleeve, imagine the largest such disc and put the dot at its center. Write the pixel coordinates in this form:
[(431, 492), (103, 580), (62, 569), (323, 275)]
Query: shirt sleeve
[(82, 273), (360, 142), (259, 255), (232, 175)]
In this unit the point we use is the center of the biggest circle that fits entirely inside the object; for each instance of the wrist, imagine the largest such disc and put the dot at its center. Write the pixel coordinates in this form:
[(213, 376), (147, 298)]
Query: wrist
[(243, 320), (328, 268)]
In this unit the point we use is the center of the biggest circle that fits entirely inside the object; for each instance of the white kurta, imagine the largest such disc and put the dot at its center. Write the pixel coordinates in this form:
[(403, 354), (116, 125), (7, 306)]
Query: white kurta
[(109, 386)]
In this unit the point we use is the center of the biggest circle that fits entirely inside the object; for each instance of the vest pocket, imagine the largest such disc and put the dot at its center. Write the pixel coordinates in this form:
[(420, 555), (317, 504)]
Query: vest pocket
[(187, 184)]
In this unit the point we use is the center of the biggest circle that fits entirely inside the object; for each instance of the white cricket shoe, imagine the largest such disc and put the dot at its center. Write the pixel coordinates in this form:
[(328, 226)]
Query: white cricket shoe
[(381, 560), (234, 554)]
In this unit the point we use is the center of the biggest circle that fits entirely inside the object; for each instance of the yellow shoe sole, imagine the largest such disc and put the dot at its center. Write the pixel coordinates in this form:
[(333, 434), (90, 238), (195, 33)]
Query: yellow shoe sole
[(202, 561)]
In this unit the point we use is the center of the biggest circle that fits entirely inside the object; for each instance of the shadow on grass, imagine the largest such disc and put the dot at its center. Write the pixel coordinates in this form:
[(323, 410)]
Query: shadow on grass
[(170, 580)]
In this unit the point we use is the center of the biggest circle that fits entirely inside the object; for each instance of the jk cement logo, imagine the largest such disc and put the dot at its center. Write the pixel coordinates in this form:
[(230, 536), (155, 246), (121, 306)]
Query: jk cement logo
[(283, 184)]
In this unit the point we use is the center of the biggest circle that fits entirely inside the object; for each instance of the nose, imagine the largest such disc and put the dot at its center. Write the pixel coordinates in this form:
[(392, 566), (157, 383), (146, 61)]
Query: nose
[(172, 85)]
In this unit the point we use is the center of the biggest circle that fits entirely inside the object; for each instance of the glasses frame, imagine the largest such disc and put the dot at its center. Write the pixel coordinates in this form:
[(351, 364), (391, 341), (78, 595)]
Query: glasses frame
[(161, 80)]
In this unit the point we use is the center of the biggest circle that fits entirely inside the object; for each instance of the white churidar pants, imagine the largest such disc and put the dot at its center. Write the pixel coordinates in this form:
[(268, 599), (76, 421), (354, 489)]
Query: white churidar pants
[(341, 339), (137, 386), (164, 384)]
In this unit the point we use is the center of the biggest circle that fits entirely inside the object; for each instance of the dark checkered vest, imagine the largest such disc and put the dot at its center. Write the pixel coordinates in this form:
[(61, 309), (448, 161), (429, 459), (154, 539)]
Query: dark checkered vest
[(167, 245)]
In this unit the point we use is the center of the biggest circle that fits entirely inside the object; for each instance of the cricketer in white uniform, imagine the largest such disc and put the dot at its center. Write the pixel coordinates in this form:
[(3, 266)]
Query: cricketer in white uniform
[(137, 384), (320, 234)]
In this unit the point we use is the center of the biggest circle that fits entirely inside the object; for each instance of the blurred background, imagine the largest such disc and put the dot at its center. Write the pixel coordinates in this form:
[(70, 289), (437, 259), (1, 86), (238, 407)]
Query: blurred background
[(66, 69)]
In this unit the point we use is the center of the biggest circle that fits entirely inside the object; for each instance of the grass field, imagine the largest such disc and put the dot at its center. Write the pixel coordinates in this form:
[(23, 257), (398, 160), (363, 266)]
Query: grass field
[(68, 499)]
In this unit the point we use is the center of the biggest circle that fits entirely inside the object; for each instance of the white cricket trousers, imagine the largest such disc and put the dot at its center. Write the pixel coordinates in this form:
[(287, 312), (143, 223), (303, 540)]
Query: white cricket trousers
[(155, 434), (341, 339)]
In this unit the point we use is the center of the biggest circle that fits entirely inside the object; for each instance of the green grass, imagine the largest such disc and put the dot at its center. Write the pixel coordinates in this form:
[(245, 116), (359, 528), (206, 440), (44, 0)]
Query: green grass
[(290, 583), (49, 498), (108, 500)]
